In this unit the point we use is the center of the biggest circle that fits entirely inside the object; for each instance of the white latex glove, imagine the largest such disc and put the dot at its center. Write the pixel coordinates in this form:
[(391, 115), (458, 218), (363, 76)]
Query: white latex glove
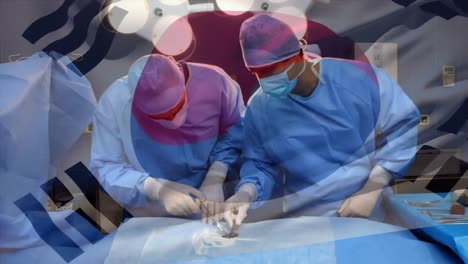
[(177, 198), (235, 208), (362, 203), (212, 189)]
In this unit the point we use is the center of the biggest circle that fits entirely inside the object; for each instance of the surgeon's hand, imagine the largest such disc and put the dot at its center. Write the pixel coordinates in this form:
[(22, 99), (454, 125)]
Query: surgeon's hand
[(235, 208), (362, 203), (212, 189), (177, 198)]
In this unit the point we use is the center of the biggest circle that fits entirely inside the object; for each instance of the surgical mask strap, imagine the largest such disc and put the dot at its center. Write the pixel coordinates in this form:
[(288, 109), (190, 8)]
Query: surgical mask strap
[(288, 69), (314, 71), (303, 43), (302, 71)]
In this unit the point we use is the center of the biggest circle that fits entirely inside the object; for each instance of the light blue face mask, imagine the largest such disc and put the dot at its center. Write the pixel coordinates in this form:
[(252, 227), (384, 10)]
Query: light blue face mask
[(279, 85)]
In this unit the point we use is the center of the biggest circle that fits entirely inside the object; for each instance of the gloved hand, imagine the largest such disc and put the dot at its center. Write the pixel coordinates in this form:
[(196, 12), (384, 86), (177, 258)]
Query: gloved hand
[(235, 208), (212, 189), (175, 197), (362, 203)]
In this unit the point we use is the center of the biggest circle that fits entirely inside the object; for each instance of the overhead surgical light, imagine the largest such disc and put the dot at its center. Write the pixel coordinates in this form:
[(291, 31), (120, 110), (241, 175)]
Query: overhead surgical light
[(272, 5), (172, 35), (163, 22), (235, 7), (138, 13), (172, 2)]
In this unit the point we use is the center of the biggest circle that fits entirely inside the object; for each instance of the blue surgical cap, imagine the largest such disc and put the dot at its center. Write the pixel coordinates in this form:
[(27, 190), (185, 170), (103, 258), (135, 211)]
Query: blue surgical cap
[(266, 40)]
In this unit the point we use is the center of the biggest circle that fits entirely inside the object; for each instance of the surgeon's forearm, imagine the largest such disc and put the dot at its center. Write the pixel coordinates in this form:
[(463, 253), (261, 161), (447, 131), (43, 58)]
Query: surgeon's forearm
[(217, 172), (397, 127), (380, 177), (250, 189), (123, 184), (228, 148), (398, 150)]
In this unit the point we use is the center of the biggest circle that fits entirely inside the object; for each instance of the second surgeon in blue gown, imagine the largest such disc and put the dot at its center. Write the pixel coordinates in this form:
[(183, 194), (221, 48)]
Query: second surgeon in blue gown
[(326, 135)]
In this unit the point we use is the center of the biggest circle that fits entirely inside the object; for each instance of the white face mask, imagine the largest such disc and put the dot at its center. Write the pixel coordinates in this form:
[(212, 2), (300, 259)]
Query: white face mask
[(279, 85), (178, 120)]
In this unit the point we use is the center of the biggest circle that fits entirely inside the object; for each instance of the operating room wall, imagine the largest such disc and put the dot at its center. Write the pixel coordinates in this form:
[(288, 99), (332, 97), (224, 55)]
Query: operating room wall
[(417, 44)]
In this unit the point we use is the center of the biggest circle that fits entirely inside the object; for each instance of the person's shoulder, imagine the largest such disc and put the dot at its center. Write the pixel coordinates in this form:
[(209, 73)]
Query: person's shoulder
[(352, 67), (256, 108), (257, 99), (207, 70), (356, 78), (118, 92), (214, 74), (119, 86), (350, 72)]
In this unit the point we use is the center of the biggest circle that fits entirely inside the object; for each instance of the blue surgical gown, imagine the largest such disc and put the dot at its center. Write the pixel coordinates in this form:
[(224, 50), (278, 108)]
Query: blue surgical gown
[(186, 156), (324, 146), (123, 155)]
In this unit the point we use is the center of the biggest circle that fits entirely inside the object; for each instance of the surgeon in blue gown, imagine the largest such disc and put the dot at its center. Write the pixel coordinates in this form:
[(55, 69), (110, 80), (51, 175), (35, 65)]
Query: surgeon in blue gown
[(324, 136), (165, 137)]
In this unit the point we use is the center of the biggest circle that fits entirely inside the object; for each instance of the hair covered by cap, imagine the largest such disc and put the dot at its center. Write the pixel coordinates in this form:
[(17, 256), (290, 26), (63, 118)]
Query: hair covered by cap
[(266, 40), (158, 83)]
